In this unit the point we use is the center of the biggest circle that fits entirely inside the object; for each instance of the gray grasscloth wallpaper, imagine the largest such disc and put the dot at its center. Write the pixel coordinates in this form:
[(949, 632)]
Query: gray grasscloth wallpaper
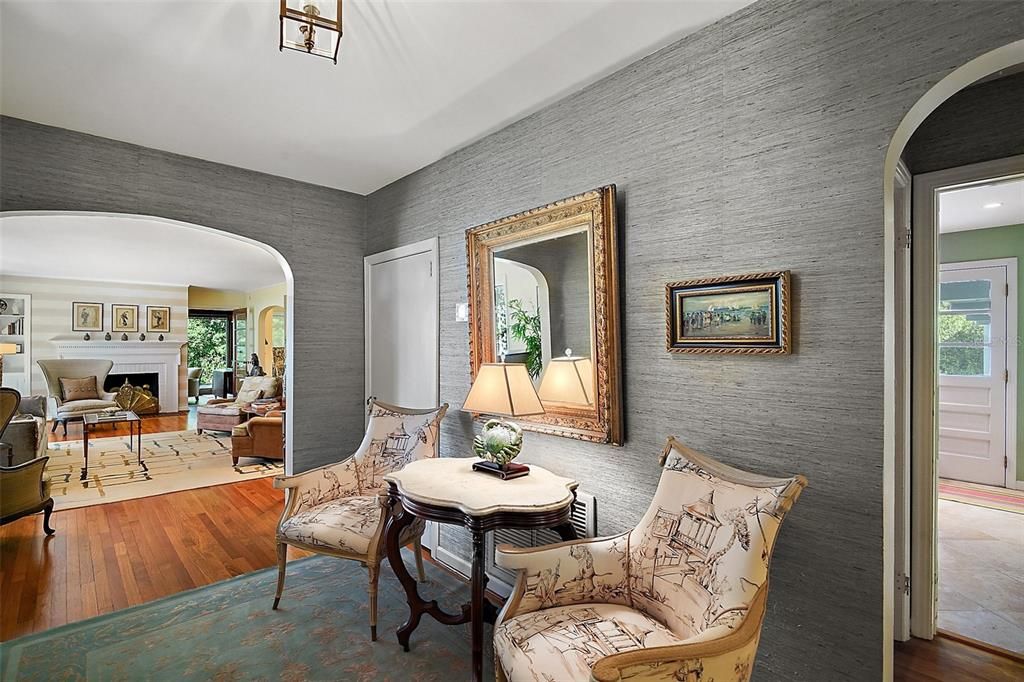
[(318, 230), (981, 123), (756, 143)]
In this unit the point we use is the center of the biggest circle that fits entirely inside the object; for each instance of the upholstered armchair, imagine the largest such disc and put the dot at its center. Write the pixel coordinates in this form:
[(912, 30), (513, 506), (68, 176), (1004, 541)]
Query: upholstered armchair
[(25, 436), (259, 437), (24, 490), (224, 414), (335, 509), (680, 597), (193, 377), (74, 406)]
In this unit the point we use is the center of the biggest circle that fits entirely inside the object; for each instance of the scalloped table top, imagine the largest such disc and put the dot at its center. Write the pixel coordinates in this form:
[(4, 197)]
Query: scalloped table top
[(451, 482)]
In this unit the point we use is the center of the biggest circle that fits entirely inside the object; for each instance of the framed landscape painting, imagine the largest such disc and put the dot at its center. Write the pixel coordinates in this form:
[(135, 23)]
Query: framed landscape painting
[(86, 317), (734, 314), (158, 318), (124, 318)]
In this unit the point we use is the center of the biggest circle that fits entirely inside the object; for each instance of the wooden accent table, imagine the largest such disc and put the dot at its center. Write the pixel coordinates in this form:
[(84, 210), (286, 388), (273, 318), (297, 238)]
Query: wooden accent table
[(90, 421), (447, 490)]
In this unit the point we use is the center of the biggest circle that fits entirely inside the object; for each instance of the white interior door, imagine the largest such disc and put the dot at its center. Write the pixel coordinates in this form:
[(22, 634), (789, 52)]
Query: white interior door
[(401, 298), (972, 373), (402, 325)]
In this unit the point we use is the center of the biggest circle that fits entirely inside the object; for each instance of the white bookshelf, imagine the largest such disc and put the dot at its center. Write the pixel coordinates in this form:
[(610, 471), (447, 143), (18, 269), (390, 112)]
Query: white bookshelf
[(16, 327)]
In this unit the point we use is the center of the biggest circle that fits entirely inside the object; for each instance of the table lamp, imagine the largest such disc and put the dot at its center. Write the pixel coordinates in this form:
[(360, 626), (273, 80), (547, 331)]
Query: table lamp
[(568, 380), (505, 390), (6, 349)]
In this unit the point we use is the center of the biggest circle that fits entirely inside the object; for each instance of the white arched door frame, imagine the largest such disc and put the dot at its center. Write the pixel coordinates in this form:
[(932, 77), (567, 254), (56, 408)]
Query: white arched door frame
[(895, 423), (281, 261)]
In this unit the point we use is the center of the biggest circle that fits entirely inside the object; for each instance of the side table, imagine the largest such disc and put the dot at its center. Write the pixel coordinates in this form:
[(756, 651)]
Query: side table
[(447, 490)]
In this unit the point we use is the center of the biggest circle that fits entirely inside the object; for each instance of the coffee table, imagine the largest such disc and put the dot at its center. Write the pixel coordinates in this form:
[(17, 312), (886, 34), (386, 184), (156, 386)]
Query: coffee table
[(90, 421), (447, 490)]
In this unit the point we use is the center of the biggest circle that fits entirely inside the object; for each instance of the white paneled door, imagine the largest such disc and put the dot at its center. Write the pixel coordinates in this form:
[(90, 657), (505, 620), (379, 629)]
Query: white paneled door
[(972, 336), (401, 301)]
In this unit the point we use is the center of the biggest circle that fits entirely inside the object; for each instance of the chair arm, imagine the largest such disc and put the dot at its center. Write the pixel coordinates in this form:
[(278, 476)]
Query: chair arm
[(22, 486), (106, 395), (729, 656), (313, 487), (574, 572), (219, 401)]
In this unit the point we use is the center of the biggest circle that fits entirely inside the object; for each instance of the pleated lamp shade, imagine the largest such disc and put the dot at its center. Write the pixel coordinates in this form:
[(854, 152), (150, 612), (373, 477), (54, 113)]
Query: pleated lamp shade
[(568, 380), (503, 389)]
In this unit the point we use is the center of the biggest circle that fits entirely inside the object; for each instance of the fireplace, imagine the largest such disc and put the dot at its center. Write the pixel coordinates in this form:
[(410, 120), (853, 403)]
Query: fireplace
[(148, 380)]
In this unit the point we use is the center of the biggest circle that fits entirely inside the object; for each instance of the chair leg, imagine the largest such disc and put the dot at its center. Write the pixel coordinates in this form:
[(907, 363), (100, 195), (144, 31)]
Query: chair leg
[(282, 562), (56, 422), (47, 511), (374, 569), (417, 547)]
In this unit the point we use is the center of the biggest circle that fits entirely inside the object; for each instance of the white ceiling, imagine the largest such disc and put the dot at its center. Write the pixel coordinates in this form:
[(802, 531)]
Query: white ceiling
[(134, 250), (975, 208), (415, 79)]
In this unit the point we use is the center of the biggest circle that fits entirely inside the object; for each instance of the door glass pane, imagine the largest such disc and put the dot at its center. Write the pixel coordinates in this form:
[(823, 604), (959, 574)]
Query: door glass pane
[(965, 360), (965, 311)]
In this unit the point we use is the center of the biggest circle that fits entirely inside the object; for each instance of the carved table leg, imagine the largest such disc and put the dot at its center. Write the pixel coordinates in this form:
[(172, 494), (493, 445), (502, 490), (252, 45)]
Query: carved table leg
[(399, 520), (479, 584)]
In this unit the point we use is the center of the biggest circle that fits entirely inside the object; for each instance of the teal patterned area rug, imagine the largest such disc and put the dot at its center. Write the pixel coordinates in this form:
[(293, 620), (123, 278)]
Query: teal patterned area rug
[(227, 631)]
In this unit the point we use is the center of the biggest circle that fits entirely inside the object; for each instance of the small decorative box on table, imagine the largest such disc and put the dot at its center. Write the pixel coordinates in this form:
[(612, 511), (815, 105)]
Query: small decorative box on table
[(448, 490)]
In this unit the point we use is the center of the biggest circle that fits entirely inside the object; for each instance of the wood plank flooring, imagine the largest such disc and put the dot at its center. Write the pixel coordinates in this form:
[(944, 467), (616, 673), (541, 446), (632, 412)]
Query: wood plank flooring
[(111, 556)]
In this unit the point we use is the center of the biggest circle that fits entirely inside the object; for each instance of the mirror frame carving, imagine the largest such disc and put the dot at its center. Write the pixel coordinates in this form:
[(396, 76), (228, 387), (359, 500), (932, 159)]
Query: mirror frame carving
[(602, 423)]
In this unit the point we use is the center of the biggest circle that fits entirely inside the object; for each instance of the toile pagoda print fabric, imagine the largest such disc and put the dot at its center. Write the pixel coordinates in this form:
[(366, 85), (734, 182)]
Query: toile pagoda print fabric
[(687, 573), (337, 505)]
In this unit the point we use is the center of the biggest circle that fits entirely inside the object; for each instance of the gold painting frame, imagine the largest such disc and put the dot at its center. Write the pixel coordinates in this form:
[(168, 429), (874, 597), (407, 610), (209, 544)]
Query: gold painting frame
[(603, 421), (778, 338)]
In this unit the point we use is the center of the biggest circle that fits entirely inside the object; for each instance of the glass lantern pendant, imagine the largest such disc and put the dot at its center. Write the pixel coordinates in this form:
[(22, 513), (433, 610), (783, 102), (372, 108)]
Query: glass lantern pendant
[(311, 26)]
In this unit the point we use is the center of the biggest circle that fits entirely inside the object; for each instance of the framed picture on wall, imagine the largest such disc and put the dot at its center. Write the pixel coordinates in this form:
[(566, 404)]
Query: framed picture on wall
[(86, 317), (733, 314), (124, 318), (158, 318)]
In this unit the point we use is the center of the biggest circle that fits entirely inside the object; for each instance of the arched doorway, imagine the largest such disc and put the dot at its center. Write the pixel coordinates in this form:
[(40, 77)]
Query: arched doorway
[(902, 481), (174, 230), (271, 337)]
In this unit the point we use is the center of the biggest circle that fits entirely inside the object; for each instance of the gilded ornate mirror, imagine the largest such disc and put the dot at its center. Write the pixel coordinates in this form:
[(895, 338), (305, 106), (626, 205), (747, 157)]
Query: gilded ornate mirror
[(543, 291)]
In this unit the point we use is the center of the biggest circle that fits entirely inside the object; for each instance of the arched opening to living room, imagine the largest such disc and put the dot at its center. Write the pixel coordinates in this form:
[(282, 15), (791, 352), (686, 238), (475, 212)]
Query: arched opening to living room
[(924, 359), (111, 299)]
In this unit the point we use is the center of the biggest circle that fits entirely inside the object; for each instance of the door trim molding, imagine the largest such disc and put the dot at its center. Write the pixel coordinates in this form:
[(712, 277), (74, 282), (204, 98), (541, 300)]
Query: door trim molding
[(924, 379)]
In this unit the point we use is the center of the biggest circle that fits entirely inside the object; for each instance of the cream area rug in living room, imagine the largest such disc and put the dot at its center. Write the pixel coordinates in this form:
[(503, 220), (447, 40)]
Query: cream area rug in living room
[(180, 460)]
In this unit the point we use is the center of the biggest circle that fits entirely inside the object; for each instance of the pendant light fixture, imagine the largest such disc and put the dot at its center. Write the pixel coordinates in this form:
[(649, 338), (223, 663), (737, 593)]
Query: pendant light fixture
[(311, 26)]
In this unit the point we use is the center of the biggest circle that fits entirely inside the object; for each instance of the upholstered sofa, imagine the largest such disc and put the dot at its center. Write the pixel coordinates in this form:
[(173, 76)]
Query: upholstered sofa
[(259, 437), (26, 434), (75, 409), (680, 597), (223, 414)]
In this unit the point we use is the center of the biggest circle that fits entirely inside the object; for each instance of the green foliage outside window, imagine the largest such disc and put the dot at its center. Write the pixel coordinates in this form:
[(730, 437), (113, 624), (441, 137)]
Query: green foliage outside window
[(207, 345), (526, 327), (960, 361)]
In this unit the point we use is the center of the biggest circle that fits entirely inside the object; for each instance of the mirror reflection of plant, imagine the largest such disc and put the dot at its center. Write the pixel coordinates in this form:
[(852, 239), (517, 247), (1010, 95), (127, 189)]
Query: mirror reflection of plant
[(526, 327)]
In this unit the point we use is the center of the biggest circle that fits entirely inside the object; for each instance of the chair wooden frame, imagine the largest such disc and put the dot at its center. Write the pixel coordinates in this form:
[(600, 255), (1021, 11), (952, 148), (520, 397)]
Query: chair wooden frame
[(376, 551)]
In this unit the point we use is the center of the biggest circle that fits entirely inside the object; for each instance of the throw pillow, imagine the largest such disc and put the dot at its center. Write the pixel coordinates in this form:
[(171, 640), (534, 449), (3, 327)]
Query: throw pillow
[(79, 389), (248, 396)]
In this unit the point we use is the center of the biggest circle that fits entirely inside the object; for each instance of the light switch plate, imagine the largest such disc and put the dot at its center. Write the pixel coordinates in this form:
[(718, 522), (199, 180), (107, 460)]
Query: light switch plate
[(462, 312)]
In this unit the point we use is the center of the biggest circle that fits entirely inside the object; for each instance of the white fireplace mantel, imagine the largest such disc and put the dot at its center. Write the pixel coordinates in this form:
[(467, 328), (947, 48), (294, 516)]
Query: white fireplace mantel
[(133, 357)]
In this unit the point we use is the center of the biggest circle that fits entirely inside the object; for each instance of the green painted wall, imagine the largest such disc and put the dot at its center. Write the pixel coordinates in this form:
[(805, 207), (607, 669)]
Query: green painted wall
[(996, 242)]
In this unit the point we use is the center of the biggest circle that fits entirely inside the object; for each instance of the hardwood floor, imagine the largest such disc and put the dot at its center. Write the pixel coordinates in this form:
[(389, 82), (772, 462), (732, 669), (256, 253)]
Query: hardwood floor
[(112, 556)]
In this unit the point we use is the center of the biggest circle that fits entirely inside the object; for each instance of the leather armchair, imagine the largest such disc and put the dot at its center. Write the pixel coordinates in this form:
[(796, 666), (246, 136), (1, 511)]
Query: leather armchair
[(679, 597), (335, 509), (24, 490), (224, 414), (259, 437), (75, 410)]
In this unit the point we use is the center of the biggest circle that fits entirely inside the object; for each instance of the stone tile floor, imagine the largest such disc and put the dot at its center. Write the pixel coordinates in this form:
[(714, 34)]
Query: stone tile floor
[(981, 574)]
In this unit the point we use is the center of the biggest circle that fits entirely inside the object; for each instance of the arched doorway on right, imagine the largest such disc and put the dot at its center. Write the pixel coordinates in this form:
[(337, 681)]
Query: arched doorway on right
[(271, 337), (957, 171)]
